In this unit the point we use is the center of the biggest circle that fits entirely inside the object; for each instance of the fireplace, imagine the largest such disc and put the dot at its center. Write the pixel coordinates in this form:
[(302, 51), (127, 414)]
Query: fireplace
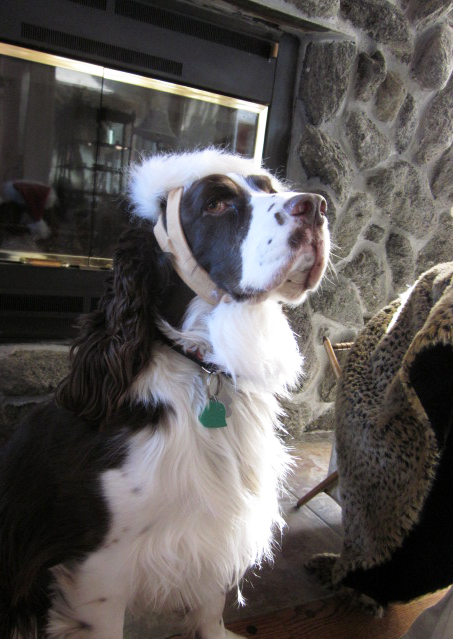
[(71, 131), (86, 89)]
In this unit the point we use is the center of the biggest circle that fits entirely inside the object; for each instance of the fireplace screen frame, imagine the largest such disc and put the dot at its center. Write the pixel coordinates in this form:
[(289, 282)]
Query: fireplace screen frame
[(118, 78)]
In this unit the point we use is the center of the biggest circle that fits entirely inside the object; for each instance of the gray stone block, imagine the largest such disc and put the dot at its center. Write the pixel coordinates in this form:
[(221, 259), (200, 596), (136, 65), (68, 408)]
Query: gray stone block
[(327, 388), (300, 319), (433, 60), (358, 212), (442, 179), (371, 71), (435, 132), (367, 272), (402, 193), (401, 259), (368, 144), (406, 123), (32, 372), (317, 8), (298, 416), (325, 78), (374, 233), (321, 156), (325, 421), (423, 12), (338, 301), (389, 97), (439, 248), (383, 22)]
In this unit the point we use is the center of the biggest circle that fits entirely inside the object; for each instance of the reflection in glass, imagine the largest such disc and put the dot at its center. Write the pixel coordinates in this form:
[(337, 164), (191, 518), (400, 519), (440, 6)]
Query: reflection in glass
[(68, 132)]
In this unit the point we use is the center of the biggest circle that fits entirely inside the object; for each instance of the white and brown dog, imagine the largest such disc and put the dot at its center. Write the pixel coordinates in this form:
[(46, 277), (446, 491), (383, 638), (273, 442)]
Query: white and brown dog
[(154, 476)]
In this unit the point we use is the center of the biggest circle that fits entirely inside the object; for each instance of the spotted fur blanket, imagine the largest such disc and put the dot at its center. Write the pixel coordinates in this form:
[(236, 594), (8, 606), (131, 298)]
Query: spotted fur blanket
[(394, 413)]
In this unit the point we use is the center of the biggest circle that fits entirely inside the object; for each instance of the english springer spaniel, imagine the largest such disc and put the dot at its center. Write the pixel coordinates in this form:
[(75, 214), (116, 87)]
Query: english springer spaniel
[(154, 476)]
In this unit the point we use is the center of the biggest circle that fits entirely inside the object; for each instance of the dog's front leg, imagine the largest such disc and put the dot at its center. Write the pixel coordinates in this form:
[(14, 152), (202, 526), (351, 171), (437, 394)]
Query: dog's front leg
[(207, 621), (85, 605)]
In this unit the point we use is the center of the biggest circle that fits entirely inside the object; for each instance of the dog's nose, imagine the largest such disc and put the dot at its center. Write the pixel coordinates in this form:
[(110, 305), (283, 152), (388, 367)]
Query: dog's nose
[(310, 206)]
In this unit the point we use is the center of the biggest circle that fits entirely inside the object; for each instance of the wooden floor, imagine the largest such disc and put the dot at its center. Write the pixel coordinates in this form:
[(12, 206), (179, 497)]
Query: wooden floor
[(333, 619), (285, 601), (317, 524)]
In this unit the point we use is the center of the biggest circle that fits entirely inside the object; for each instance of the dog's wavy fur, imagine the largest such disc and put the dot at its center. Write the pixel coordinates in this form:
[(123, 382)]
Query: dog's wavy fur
[(115, 492), (115, 341)]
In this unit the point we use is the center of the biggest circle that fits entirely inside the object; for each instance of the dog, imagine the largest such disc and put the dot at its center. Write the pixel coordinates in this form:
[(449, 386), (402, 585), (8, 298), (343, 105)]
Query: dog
[(153, 477)]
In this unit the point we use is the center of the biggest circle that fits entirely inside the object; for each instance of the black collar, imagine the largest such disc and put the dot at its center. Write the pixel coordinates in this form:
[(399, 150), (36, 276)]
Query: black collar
[(194, 357)]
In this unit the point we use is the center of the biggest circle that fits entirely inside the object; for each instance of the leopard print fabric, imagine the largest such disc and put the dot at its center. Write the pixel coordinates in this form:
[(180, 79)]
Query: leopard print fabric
[(387, 451)]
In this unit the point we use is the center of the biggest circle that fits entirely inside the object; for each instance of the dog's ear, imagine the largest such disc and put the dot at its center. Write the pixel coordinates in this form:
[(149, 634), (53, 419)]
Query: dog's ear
[(115, 341)]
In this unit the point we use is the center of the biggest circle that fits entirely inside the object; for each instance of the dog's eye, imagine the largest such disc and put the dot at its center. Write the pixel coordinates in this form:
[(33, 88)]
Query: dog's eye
[(216, 207)]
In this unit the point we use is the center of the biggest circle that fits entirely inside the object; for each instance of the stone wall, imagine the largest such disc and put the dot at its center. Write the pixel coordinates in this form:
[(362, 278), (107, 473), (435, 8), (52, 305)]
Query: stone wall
[(373, 132), (29, 375)]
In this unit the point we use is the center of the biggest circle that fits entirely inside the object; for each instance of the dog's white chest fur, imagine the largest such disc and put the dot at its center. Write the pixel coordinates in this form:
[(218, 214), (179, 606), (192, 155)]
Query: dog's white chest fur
[(192, 505), (192, 508)]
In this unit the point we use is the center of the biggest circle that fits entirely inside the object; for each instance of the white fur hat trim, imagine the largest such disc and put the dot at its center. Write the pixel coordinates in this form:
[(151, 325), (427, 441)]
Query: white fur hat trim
[(151, 181)]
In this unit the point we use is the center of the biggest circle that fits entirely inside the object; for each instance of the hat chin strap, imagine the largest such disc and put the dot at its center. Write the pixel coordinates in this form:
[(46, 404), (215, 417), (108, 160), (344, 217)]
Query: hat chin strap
[(174, 241)]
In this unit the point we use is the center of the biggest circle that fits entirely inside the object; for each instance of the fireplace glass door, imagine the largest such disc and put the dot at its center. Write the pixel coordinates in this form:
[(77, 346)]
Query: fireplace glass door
[(68, 132)]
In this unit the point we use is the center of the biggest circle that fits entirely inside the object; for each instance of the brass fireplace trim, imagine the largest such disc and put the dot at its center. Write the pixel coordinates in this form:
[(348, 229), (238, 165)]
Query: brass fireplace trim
[(261, 110), (56, 260), (57, 61)]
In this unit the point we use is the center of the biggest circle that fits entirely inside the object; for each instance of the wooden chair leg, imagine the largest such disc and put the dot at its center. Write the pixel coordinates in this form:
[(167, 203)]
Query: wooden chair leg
[(333, 477), (332, 357), (321, 487)]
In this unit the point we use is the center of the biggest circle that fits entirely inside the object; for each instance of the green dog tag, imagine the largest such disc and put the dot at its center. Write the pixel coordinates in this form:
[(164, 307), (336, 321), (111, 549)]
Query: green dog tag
[(213, 415)]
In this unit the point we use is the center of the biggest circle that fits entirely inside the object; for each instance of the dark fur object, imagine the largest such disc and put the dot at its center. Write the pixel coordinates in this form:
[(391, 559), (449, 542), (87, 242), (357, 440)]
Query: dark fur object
[(394, 418), (115, 341)]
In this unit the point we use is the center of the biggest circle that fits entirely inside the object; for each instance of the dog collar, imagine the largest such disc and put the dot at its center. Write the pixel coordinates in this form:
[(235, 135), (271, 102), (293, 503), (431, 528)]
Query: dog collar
[(218, 405), (172, 240), (194, 356)]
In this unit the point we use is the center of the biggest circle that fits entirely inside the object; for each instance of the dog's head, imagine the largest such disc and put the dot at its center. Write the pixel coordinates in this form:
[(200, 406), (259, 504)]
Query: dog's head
[(252, 237), (215, 225)]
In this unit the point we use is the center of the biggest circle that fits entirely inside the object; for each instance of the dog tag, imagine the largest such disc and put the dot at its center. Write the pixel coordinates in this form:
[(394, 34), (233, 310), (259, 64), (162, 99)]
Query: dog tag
[(213, 415)]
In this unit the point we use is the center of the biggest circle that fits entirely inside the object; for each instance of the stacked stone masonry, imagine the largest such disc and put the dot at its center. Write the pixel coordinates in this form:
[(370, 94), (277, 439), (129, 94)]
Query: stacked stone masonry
[(29, 375), (373, 133)]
